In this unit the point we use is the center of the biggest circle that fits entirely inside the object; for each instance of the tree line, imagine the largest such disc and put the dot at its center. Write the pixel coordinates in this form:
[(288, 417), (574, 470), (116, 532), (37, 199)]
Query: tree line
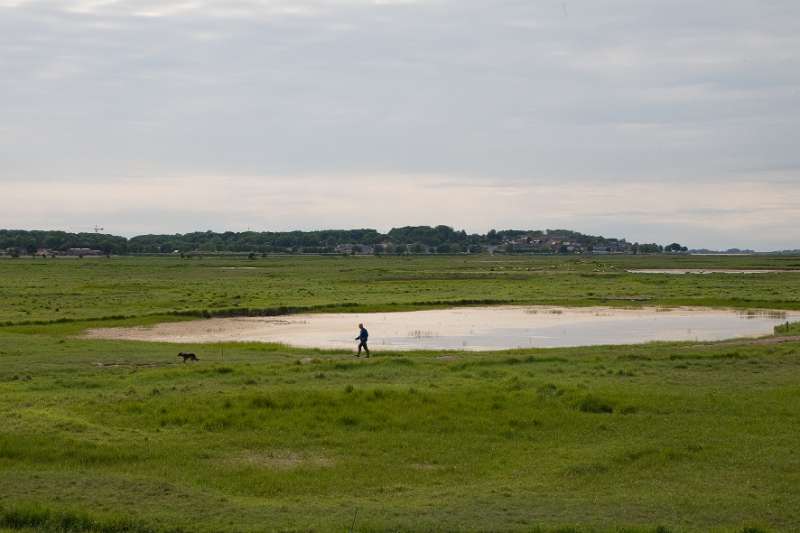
[(33, 241), (402, 240)]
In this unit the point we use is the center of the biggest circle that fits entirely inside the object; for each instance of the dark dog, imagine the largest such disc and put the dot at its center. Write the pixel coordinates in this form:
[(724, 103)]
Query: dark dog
[(189, 356)]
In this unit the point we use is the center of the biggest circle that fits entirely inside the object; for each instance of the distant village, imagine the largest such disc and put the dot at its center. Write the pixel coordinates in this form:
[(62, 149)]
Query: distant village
[(521, 245), (47, 252)]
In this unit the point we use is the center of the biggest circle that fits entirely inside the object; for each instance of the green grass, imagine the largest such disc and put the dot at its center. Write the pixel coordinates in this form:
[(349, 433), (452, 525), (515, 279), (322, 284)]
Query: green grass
[(120, 436), (48, 290), (790, 328)]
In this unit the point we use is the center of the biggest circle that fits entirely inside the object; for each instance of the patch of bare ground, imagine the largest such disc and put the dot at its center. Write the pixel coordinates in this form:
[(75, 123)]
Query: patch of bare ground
[(448, 358), (761, 341), (426, 466), (764, 340), (278, 459), (124, 364)]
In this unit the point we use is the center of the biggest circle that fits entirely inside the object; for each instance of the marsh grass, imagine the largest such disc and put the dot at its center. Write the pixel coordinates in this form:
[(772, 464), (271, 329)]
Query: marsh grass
[(39, 518), (789, 328), (521, 420), (100, 435), (593, 404), (112, 290)]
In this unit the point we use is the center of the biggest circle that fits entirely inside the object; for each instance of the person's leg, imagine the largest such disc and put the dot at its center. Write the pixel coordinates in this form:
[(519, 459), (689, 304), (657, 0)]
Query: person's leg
[(365, 347), (360, 344)]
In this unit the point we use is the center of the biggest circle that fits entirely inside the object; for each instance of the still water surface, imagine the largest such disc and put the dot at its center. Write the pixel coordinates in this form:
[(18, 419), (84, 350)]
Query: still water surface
[(470, 328)]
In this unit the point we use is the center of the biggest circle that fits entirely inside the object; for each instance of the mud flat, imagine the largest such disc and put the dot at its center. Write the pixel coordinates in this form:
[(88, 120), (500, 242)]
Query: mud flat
[(469, 328)]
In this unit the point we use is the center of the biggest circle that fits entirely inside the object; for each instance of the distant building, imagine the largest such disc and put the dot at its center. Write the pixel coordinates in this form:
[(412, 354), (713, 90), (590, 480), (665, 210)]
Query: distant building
[(354, 249), (82, 251)]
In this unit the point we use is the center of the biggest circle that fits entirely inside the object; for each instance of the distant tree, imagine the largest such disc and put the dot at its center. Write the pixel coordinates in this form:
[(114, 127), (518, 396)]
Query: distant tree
[(407, 239), (650, 248)]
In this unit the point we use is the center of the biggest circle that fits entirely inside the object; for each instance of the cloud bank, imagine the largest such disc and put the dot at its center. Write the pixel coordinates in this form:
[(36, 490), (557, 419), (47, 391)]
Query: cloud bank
[(651, 120)]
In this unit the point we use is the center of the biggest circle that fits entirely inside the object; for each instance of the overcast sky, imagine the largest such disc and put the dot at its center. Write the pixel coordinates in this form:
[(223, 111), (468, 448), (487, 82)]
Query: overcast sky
[(652, 120)]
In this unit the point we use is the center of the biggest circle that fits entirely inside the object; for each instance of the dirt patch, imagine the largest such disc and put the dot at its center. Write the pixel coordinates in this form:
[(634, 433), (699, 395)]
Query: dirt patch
[(428, 467), (278, 459), (765, 340), (123, 364)]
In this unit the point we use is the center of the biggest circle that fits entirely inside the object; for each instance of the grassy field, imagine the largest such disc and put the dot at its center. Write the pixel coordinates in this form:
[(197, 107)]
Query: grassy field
[(64, 289), (120, 436)]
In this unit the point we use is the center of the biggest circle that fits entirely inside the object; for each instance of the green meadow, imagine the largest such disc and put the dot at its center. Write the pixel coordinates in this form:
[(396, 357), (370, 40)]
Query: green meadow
[(121, 436), (46, 290)]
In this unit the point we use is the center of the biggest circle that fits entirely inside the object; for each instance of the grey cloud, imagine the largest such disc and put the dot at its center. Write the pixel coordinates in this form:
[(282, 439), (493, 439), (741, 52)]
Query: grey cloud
[(514, 91)]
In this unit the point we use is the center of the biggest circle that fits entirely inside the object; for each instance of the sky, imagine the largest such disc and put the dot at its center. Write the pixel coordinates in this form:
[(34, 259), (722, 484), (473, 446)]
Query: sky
[(657, 121)]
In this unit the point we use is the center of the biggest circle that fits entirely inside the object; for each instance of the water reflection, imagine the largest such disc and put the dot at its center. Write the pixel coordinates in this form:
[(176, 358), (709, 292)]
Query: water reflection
[(474, 328)]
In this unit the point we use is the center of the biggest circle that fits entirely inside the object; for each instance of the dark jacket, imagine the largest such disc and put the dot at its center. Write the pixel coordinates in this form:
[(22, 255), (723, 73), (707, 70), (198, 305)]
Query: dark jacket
[(363, 336)]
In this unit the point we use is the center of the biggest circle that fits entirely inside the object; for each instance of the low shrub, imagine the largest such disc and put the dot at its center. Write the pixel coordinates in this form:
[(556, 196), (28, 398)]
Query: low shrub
[(263, 402), (593, 404), (348, 420)]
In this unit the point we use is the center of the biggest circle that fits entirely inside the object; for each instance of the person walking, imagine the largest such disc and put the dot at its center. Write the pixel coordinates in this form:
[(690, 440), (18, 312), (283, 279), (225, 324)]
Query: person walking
[(363, 335)]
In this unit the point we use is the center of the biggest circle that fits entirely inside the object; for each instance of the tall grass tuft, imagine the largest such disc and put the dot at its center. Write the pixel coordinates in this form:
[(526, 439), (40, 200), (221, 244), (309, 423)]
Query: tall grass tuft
[(593, 404), (34, 517), (263, 402)]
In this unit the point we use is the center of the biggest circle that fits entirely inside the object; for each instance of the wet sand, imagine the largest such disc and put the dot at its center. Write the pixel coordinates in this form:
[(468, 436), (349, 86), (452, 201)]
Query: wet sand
[(468, 328)]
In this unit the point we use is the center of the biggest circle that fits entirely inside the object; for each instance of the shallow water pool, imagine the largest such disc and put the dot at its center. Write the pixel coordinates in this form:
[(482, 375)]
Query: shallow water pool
[(470, 328)]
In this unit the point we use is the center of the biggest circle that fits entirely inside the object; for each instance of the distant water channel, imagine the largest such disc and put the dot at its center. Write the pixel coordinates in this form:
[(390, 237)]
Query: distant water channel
[(471, 328)]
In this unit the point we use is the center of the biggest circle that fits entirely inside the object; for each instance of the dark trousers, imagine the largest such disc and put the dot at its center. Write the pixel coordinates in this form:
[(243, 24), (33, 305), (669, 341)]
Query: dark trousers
[(363, 344)]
